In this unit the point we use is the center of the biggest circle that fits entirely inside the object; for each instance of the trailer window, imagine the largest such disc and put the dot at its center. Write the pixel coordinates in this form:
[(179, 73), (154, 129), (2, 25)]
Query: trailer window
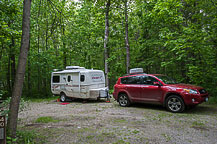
[(56, 79), (69, 78), (82, 78)]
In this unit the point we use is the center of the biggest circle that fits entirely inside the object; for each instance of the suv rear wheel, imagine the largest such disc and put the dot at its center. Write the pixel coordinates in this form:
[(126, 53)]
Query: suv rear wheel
[(123, 100), (175, 104)]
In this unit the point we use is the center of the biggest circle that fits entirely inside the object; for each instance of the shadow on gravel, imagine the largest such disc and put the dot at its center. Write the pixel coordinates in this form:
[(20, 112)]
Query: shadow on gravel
[(86, 101), (200, 109), (148, 106), (203, 110)]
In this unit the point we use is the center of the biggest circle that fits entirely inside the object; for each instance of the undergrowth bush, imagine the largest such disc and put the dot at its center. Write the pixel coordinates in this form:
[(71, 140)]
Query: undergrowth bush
[(4, 106)]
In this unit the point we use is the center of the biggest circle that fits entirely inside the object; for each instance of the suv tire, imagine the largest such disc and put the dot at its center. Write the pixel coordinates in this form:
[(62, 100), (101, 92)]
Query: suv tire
[(123, 100), (175, 104)]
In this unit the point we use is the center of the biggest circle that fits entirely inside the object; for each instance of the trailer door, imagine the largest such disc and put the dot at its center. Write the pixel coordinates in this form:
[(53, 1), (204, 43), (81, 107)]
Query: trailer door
[(76, 84), (68, 86)]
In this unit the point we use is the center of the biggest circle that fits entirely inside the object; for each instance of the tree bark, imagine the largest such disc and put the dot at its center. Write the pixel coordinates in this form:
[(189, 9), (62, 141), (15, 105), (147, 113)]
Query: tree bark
[(29, 76), (64, 48), (106, 50), (127, 38), (19, 79), (1, 51), (13, 62), (9, 74)]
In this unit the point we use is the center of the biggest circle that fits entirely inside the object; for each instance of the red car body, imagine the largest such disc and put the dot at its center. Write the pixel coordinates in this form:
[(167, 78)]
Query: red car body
[(155, 88)]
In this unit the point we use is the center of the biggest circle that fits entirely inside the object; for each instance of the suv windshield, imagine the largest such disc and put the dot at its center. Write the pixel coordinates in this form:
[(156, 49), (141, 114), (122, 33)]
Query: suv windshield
[(166, 79)]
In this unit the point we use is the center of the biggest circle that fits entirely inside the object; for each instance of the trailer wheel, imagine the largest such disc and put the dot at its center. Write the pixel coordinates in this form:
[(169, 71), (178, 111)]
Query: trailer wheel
[(62, 97)]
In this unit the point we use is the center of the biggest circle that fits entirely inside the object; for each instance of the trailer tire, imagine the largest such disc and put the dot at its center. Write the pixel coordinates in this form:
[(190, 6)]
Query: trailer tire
[(63, 97)]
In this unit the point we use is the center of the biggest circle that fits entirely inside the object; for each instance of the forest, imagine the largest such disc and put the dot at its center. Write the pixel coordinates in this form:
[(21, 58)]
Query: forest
[(177, 38)]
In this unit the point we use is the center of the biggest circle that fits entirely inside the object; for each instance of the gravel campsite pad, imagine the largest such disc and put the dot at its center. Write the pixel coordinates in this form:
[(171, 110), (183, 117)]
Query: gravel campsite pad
[(93, 122)]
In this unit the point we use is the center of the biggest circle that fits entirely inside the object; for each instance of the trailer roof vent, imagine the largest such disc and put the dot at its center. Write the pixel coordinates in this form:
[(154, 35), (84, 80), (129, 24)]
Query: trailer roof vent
[(136, 70), (74, 67), (55, 70)]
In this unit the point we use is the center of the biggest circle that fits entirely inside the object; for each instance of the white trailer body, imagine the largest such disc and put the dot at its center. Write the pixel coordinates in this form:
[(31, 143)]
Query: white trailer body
[(78, 82)]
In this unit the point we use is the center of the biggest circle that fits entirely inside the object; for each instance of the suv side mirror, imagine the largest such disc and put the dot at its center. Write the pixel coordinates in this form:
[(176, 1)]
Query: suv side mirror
[(157, 83)]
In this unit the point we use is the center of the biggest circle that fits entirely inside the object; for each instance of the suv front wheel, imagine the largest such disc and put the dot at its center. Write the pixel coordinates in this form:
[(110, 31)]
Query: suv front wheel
[(175, 104), (123, 100)]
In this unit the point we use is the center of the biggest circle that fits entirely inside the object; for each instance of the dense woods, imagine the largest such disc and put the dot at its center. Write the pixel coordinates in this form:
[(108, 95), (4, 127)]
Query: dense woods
[(174, 37)]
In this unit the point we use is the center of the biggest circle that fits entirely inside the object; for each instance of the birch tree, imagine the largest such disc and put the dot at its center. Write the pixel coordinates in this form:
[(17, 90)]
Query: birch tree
[(106, 49)]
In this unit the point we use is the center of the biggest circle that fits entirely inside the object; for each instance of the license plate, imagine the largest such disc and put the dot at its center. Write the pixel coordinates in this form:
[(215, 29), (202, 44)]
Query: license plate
[(206, 99)]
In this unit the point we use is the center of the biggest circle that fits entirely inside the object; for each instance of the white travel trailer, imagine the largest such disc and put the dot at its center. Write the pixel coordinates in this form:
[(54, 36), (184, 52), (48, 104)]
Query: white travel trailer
[(78, 82)]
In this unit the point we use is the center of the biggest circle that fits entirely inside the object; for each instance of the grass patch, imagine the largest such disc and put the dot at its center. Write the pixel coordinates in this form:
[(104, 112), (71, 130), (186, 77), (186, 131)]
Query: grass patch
[(135, 131), (90, 137), (82, 130), (167, 137), (46, 120), (198, 124), (120, 121), (27, 137), (121, 142)]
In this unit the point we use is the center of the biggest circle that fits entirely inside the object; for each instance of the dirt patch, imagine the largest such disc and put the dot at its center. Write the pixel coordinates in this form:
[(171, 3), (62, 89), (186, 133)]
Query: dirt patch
[(101, 122)]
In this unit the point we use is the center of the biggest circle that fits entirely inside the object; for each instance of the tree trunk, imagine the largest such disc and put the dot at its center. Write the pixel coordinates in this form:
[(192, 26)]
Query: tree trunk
[(1, 51), (29, 76), (127, 39), (18, 85), (13, 62), (64, 48), (9, 74), (106, 50)]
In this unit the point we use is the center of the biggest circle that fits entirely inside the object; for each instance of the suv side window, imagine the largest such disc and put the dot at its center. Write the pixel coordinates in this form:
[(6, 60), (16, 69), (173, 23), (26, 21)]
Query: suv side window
[(130, 80), (148, 80), (133, 80), (152, 80)]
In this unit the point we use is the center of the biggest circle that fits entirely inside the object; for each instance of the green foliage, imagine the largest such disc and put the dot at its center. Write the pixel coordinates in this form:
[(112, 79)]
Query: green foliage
[(4, 106), (176, 38), (25, 137)]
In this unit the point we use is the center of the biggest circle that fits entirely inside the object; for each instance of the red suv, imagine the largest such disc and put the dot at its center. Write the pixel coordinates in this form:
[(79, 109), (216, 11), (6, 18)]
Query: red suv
[(157, 88)]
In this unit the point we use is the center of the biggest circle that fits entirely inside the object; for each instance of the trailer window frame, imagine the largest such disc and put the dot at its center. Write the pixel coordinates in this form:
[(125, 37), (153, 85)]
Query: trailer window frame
[(69, 78), (82, 78), (56, 79)]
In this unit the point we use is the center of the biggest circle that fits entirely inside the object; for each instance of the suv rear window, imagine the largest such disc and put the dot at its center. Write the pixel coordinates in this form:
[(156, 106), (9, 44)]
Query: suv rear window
[(124, 80)]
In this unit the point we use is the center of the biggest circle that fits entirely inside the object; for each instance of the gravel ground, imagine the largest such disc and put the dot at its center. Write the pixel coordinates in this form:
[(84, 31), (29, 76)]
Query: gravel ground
[(100, 122)]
